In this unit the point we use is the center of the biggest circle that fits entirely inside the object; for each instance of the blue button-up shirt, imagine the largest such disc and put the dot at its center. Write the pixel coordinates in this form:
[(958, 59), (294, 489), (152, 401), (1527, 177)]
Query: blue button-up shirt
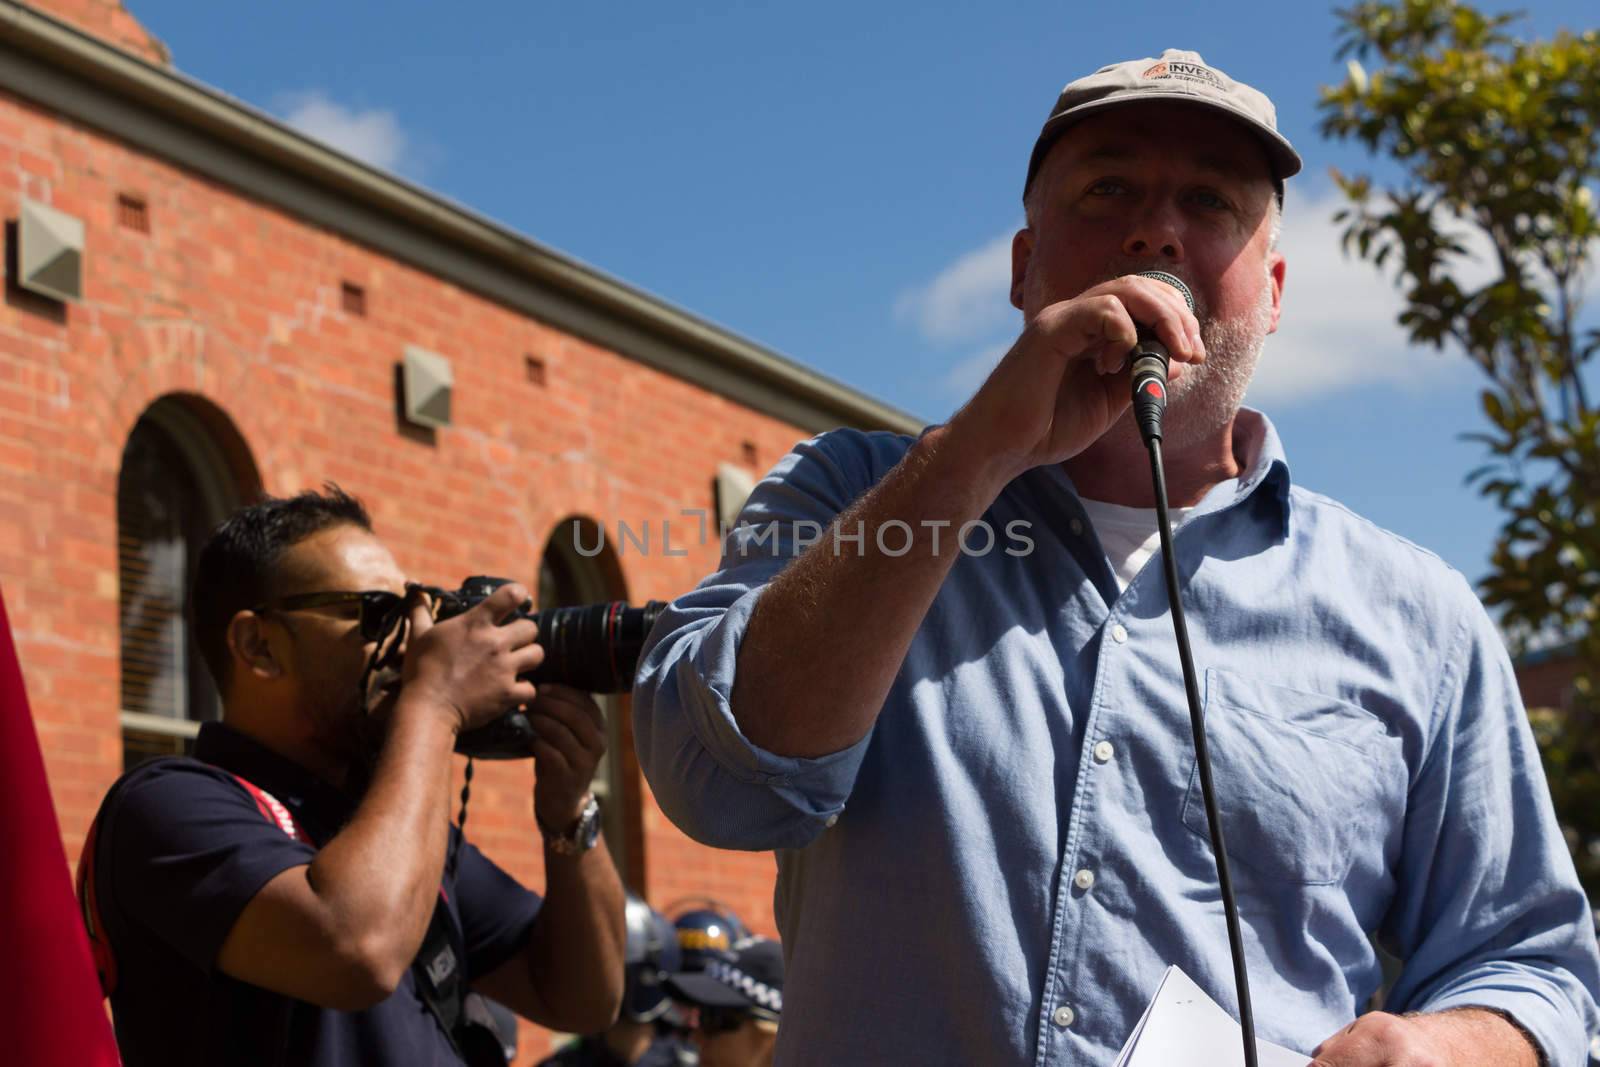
[(1022, 831)]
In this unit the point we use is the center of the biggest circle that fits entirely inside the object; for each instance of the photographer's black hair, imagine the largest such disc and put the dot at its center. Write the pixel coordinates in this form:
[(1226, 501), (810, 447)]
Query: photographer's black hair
[(238, 567)]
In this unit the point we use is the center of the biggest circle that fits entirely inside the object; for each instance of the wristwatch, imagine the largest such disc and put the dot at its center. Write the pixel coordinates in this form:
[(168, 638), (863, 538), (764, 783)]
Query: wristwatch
[(577, 838)]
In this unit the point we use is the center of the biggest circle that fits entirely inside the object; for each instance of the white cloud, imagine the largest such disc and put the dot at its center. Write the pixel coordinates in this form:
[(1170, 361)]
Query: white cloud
[(963, 379), (969, 299), (1339, 328), (373, 136)]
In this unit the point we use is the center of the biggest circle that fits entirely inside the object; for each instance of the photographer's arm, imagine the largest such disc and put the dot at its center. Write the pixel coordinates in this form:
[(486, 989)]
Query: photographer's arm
[(341, 931), (569, 977)]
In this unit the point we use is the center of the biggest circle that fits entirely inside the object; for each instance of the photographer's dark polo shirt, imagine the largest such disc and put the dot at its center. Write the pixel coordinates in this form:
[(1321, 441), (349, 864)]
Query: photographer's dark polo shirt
[(182, 854)]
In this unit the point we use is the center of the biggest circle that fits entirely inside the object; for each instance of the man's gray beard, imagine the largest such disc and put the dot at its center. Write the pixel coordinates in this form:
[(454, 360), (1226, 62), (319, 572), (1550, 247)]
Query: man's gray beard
[(1207, 397)]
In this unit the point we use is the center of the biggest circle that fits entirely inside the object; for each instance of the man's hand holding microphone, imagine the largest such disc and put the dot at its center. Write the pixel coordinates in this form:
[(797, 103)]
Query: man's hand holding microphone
[(1066, 380), (1055, 393)]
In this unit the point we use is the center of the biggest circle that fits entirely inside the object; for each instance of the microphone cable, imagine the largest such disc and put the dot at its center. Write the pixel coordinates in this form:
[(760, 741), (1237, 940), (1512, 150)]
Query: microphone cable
[(1149, 385)]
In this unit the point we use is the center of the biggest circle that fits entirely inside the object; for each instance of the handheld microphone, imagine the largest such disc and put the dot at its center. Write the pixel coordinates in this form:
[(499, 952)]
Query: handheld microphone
[(1149, 370), (1149, 381)]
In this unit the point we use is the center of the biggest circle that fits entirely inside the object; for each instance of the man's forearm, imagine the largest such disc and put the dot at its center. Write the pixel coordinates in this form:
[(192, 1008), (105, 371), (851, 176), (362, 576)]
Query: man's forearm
[(1461, 1037), (379, 877), (829, 634), (575, 949), (1478, 1037)]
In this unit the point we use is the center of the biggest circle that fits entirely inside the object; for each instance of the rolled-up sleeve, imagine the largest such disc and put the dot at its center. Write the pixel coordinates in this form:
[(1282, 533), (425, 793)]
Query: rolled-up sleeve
[(1489, 911), (708, 778)]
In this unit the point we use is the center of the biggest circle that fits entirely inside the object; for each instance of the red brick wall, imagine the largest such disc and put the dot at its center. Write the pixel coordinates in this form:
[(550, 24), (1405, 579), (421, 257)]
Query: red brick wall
[(109, 21), (234, 302), (1548, 683)]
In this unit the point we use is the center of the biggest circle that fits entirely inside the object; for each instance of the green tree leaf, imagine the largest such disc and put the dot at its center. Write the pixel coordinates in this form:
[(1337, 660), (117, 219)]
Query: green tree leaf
[(1496, 142)]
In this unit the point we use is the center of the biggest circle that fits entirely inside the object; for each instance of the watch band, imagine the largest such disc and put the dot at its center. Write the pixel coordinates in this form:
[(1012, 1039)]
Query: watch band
[(578, 838)]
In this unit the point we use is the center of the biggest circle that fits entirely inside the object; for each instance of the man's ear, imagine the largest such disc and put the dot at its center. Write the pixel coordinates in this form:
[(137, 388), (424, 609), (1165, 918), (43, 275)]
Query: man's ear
[(251, 648), (1277, 268), (1021, 256)]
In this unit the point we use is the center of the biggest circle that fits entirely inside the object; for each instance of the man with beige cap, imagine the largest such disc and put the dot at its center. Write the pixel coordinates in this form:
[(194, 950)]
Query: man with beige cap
[(957, 713)]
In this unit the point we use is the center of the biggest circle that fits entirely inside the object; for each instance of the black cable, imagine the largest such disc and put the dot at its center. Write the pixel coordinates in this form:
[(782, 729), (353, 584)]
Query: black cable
[(1197, 724)]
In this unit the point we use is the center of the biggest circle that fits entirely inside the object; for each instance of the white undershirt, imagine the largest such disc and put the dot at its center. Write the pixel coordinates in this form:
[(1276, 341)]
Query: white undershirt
[(1129, 535)]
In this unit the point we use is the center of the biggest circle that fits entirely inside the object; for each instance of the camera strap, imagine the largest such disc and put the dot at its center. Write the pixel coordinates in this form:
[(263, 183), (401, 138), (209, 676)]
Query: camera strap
[(90, 861), (94, 921), (441, 983), (437, 969)]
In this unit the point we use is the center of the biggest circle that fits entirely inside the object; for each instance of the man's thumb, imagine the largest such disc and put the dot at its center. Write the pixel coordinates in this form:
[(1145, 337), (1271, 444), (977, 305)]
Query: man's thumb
[(421, 613)]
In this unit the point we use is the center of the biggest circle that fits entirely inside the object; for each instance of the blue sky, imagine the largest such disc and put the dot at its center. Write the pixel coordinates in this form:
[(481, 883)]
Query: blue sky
[(839, 181)]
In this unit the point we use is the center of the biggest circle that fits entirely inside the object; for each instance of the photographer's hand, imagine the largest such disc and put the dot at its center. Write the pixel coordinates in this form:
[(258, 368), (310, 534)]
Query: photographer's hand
[(468, 667), (571, 739)]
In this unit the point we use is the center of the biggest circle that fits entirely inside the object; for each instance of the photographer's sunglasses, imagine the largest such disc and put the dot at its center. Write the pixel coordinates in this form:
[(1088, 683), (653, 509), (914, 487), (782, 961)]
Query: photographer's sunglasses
[(378, 607)]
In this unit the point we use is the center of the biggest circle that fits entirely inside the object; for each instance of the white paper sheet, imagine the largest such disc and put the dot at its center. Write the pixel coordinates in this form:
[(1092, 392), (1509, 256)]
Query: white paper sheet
[(1182, 1027)]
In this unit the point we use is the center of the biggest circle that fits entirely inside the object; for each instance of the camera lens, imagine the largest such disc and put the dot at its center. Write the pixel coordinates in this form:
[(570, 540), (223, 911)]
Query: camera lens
[(594, 647)]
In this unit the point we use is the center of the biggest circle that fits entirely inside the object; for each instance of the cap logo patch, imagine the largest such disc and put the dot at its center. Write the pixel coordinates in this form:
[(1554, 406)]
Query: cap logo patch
[(1193, 72), (759, 992)]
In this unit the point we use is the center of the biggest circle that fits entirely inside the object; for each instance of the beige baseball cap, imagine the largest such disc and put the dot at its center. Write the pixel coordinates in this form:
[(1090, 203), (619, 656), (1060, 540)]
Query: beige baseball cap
[(1177, 75)]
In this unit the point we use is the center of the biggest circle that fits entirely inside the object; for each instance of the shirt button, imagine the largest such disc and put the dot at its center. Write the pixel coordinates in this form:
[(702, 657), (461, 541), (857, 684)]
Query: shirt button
[(1104, 751), (1076, 526), (1084, 879), (1119, 634), (831, 821), (1062, 1016)]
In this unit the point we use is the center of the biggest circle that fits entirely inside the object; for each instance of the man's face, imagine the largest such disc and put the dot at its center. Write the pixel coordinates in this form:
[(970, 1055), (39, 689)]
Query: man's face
[(326, 653), (752, 1044), (1162, 186)]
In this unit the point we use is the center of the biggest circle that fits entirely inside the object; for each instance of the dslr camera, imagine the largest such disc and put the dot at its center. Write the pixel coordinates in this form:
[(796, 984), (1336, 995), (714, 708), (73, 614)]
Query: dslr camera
[(594, 647)]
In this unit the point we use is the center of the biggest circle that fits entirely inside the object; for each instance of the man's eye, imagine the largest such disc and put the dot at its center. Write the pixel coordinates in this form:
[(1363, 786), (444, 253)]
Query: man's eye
[(1106, 187), (1207, 198)]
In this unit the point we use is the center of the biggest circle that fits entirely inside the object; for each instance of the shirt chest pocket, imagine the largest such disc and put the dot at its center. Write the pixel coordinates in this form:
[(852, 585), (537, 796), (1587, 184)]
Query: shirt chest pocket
[(1305, 783)]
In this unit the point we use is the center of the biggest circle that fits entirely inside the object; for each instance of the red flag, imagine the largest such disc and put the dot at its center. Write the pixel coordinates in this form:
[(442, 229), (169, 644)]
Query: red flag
[(51, 1013)]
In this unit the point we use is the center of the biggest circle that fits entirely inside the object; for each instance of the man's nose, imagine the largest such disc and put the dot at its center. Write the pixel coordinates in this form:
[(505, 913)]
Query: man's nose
[(1156, 232)]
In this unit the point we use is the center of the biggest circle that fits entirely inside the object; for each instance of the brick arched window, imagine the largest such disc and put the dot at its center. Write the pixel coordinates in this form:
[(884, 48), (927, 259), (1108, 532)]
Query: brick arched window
[(177, 482), (567, 578)]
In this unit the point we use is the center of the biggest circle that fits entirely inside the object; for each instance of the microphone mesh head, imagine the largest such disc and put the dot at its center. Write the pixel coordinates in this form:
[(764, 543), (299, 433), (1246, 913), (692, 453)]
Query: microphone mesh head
[(1172, 280)]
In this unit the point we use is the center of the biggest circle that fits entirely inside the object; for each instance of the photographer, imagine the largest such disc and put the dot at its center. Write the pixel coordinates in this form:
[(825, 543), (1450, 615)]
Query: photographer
[(295, 894)]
